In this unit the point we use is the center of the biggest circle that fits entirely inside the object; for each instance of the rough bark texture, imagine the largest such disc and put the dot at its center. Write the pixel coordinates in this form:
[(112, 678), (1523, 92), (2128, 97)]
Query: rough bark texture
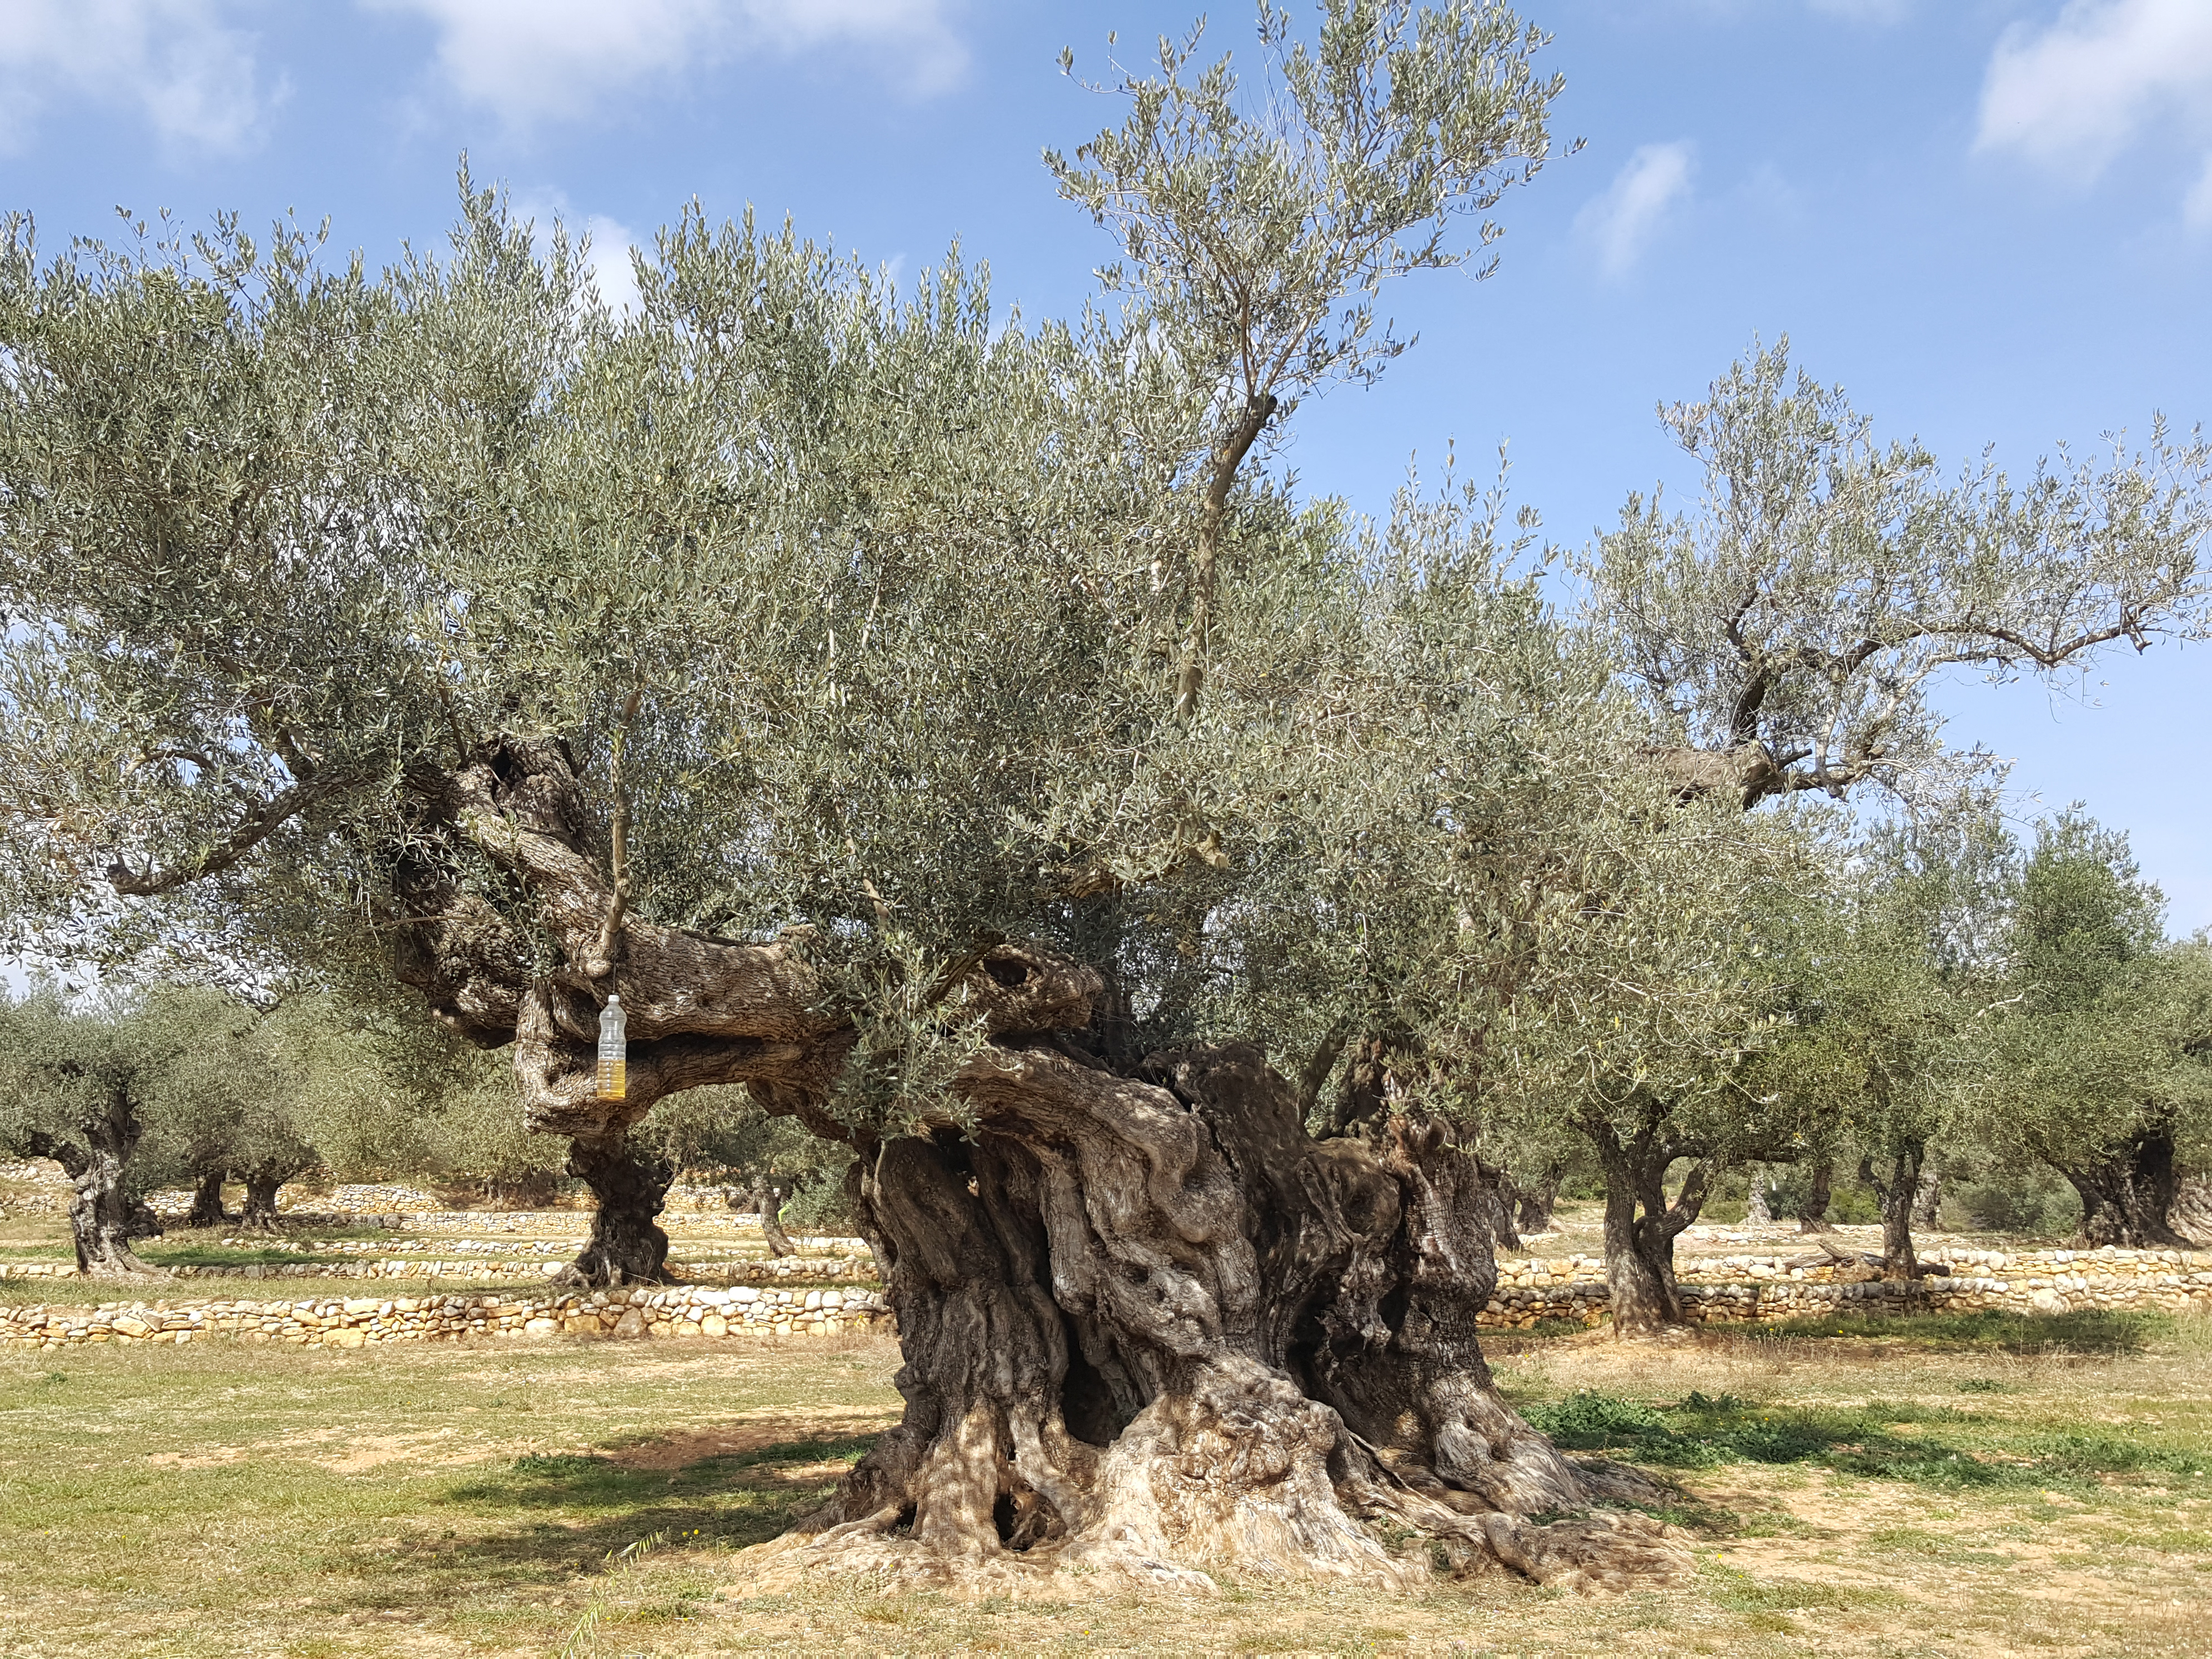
[(1812, 1214), (1897, 1187), (1534, 1203), (2190, 1215), (2126, 1196), (627, 1246), (1928, 1198), (259, 1213), (102, 1220), (207, 1201), (767, 1205), (1151, 1329), (1641, 1222)]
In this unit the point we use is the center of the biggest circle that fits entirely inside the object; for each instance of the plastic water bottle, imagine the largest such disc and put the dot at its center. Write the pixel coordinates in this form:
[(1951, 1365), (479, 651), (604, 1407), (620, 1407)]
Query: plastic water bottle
[(614, 1067)]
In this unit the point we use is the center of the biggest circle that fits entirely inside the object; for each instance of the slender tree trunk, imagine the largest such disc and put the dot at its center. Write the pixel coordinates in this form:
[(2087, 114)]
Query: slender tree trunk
[(207, 1201), (1897, 1193), (2125, 1198), (626, 1246), (767, 1205), (1812, 1214), (102, 1220)]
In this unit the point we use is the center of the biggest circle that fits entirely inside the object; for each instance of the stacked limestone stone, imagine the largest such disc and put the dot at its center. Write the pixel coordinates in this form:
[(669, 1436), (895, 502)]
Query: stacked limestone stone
[(332, 1323), (1735, 1288)]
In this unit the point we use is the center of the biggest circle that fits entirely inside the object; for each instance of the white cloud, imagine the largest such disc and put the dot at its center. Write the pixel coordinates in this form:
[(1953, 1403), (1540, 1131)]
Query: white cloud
[(612, 272), (1620, 223), (2072, 97), (190, 75), (535, 61)]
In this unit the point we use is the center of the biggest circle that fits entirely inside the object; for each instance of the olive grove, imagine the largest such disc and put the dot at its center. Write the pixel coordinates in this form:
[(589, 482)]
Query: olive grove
[(947, 728)]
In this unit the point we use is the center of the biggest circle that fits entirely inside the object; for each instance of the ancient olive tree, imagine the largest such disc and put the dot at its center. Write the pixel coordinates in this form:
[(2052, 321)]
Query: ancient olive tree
[(909, 714), (75, 1086), (2097, 1064), (1786, 631)]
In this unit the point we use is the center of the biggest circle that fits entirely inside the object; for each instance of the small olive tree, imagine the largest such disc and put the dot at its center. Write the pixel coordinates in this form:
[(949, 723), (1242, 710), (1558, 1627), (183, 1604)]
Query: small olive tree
[(2097, 1064)]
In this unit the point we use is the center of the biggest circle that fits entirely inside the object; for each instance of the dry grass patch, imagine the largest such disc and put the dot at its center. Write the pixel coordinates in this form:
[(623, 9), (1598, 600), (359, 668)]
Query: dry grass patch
[(430, 1500)]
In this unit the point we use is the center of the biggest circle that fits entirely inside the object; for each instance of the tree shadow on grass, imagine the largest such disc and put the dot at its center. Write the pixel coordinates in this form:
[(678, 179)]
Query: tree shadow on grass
[(551, 1518), (2088, 1333), (1703, 1432)]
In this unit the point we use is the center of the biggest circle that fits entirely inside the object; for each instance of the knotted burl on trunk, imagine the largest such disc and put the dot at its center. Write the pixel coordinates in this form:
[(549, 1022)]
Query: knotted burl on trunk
[(1151, 1329)]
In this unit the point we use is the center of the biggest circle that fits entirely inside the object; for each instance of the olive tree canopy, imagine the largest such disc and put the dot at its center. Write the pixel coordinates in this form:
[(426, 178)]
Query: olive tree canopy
[(1787, 630), (921, 720)]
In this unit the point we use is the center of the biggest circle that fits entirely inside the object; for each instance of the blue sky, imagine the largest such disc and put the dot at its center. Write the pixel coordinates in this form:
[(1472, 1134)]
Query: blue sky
[(1991, 220)]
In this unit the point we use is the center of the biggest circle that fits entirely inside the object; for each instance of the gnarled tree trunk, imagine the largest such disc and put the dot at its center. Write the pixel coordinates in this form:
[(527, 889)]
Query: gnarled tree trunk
[(207, 1201), (627, 1246), (1534, 1203), (259, 1213), (1812, 1214), (767, 1206), (1928, 1198), (2126, 1195), (103, 1220), (1641, 1223), (1151, 1327), (2190, 1215)]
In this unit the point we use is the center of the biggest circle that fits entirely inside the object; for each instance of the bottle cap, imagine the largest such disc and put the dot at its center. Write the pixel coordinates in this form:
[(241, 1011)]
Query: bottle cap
[(614, 999)]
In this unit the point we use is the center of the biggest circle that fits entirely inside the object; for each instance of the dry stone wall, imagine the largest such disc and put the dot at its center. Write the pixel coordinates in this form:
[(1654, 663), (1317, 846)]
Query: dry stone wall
[(353, 1322), (819, 1270), (1739, 1288)]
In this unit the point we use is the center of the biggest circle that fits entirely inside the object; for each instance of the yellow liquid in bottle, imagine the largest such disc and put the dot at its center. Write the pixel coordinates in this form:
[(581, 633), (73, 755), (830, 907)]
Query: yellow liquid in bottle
[(614, 1078)]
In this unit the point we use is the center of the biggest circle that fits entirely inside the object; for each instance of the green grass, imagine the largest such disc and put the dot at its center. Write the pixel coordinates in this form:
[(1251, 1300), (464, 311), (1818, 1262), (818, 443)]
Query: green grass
[(1971, 1450), (155, 1253), (1858, 1500), (1996, 1333)]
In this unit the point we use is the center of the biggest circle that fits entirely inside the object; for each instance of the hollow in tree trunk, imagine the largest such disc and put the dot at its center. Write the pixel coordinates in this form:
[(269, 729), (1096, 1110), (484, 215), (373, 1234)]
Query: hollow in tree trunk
[(627, 1247), (1151, 1327), (103, 1220), (207, 1209), (1896, 1187), (1641, 1222), (1812, 1214), (2127, 1195)]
